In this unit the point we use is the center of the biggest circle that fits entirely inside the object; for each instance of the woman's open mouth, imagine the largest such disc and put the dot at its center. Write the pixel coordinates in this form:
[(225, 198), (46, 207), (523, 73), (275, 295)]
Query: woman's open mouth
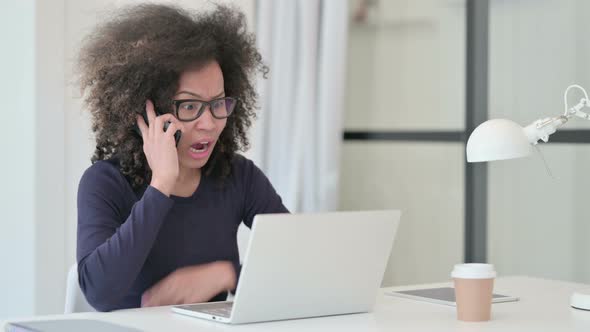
[(200, 150)]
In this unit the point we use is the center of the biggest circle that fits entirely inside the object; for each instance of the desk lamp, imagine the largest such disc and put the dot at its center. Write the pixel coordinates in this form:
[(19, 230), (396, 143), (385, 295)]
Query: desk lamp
[(501, 139)]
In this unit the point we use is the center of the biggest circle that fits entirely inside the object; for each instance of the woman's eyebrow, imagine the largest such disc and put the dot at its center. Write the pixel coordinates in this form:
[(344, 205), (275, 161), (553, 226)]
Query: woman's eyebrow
[(199, 96)]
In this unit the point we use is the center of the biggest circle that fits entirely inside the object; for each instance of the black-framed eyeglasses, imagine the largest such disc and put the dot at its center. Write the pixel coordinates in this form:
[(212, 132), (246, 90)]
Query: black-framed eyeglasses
[(190, 109)]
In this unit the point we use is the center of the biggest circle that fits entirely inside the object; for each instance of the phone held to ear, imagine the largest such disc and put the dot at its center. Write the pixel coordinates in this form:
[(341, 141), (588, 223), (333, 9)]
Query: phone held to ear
[(177, 134)]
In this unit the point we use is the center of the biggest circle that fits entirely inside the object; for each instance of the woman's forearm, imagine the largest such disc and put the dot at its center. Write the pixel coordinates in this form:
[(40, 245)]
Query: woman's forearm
[(107, 273)]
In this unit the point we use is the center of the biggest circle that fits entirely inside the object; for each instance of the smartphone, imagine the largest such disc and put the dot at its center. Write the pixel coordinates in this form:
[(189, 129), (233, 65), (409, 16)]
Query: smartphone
[(177, 134)]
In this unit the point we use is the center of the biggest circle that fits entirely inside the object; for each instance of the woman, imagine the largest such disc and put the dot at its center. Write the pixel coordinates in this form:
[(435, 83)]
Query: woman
[(157, 221)]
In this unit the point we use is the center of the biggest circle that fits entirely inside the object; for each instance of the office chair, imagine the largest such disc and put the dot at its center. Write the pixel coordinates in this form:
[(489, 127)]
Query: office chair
[(75, 299)]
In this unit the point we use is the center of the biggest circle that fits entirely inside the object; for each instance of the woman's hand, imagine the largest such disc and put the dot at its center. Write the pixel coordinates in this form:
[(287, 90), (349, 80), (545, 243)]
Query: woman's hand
[(191, 284), (159, 148)]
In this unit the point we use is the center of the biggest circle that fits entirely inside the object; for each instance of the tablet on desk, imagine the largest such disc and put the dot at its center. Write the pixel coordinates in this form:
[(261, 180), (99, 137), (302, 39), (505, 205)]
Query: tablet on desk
[(442, 295), (67, 325)]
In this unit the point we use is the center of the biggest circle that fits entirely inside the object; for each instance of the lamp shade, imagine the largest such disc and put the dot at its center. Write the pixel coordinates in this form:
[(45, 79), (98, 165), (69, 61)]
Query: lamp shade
[(498, 139)]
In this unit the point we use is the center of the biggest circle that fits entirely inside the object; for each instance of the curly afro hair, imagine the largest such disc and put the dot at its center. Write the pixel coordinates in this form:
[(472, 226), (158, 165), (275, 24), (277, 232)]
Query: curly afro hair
[(140, 53)]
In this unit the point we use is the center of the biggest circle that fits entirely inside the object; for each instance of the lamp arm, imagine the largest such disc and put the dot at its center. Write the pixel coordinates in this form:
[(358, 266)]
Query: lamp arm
[(576, 110), (542, 128)]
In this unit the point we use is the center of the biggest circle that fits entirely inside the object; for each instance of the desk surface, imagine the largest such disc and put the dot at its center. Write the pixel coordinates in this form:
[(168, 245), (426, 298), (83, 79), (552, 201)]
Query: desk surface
[(543, 306)]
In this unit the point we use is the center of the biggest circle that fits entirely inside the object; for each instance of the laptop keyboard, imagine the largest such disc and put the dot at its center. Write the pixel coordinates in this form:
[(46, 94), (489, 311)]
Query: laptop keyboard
[(217, 309)]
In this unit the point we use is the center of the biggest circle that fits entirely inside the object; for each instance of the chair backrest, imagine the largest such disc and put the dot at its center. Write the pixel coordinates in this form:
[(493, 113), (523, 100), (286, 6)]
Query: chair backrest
[(75, 299)]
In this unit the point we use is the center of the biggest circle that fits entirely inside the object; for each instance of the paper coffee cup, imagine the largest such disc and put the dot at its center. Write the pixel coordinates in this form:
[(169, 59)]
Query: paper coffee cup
[(474, 285)]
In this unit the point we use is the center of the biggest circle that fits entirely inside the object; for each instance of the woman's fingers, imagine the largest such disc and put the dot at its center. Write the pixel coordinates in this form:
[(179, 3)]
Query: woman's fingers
[(172, 128), (151, 115), (167, 117), (143, 127), (157, 121), (146, 299)]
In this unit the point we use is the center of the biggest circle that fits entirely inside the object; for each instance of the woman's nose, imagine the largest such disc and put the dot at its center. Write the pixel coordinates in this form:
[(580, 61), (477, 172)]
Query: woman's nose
[(206, 121)]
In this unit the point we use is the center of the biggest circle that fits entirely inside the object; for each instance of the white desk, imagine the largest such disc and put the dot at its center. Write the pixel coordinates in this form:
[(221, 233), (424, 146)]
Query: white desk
[(543, 306)]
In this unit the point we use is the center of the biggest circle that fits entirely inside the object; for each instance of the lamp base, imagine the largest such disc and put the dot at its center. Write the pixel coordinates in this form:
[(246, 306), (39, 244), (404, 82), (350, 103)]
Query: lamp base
[(581, 300)]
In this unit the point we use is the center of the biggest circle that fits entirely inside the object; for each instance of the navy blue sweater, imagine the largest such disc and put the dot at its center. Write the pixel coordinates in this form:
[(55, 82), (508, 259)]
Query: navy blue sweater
[(128, 241)]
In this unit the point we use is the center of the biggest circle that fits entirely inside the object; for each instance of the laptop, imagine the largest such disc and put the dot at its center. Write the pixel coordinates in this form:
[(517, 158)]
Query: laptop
[(307, 265)]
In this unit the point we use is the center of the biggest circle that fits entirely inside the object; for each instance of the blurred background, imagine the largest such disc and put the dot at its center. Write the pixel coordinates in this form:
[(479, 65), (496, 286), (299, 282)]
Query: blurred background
[(382, 96)]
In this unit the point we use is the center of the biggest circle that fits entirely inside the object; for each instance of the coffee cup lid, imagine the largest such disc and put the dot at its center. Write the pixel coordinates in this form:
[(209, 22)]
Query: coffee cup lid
[(473, 271)]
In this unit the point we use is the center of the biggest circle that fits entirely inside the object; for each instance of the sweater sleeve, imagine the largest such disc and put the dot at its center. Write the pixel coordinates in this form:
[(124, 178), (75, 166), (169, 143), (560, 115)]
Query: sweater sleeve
[(260, 196), (112, 247)]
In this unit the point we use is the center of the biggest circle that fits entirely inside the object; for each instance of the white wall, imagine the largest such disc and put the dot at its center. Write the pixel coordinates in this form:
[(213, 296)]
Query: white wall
[(538, 225), (50, 263), (425, 181), (17, 169), (31, 243), (406, 67), (46, 145), (406, 71)]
